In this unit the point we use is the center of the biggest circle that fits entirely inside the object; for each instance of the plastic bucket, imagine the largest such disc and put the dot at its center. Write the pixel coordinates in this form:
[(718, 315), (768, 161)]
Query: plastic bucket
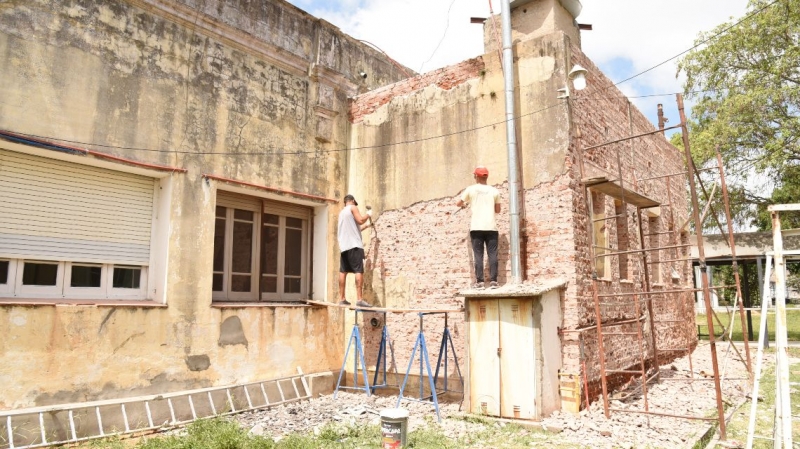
[(394, 426)]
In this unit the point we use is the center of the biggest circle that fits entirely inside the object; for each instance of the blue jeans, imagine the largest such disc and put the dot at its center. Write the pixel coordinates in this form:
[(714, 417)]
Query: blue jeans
[(489, 239)]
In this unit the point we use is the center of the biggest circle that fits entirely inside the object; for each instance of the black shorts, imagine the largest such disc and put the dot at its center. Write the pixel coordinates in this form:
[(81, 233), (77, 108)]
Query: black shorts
[(352, 261)]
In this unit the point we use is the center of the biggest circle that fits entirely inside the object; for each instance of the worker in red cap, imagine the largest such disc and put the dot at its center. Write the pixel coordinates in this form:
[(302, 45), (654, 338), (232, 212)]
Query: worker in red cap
[(484, 200)]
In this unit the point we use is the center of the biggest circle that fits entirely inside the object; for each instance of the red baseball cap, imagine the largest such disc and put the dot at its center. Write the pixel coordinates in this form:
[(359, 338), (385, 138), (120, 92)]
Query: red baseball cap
[(481, 171)]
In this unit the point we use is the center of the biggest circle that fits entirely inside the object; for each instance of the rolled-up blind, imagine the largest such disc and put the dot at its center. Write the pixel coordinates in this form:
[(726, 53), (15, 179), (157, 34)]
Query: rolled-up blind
[(56, 210)]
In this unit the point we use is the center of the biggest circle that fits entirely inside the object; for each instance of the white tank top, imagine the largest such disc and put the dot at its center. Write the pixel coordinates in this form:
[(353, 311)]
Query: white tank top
[(348, 232)]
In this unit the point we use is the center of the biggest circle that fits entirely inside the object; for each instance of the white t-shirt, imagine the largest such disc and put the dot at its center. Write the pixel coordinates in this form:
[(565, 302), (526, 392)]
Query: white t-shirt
[(482, 198), (348, 231)]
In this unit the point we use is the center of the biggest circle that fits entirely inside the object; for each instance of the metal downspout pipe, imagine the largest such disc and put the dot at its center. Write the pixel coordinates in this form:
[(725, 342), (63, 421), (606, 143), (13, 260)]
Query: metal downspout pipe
[(511, 135)]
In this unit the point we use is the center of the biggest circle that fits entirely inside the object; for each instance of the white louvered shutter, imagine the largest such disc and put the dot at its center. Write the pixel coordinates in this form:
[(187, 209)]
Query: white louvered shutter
[(57, 210)]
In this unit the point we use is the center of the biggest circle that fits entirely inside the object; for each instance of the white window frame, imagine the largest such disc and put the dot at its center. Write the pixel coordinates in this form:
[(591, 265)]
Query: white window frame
[(40, 291), (153, 280), (8, 287), (84, 292), (15, 288), (125, 293)]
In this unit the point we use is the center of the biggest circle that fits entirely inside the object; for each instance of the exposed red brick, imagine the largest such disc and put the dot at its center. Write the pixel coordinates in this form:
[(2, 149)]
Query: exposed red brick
[(445, 78)]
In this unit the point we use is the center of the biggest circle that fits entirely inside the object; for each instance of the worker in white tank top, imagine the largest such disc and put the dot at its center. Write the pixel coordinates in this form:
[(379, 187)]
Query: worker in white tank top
[(351, 260)]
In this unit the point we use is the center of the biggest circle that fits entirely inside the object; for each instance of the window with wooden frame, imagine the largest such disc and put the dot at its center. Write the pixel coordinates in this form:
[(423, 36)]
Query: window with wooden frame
[(623, 238), (600, 235), (261, 250)]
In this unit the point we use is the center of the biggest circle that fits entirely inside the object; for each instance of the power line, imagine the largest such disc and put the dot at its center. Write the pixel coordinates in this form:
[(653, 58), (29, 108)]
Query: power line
[(447, 27), (424, 139), (723, 31)]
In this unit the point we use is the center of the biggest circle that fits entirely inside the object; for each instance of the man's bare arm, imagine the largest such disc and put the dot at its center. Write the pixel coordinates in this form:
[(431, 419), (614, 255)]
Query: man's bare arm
[(360, 219)]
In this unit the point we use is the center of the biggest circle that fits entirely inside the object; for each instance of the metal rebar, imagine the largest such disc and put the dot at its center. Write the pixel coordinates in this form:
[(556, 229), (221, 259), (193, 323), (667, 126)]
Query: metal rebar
[(703, 275), (680, 173), (601, 348), (700, 418), (628, 138), (642, 250), (735, 264)]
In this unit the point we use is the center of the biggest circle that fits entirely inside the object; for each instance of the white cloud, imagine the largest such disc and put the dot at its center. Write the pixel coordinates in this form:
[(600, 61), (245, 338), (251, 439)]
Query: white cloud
[(629, 36)]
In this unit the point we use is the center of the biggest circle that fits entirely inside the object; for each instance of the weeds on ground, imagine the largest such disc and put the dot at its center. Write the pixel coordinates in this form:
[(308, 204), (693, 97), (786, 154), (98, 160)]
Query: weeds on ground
[(222, 433), (765, 412), (209, 434)]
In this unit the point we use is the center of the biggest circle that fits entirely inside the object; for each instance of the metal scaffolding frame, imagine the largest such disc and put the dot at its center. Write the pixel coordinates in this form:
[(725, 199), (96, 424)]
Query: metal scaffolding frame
[(643, 295)]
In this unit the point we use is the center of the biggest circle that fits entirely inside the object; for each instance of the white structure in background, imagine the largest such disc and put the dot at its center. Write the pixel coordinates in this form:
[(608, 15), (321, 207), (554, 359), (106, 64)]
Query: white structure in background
[(699, 301), (782, 427)]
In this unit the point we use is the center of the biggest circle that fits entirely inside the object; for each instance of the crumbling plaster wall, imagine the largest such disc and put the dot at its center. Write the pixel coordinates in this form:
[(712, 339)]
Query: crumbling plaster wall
[(415, 144), (414, 147), (259, 99), (604, 114)]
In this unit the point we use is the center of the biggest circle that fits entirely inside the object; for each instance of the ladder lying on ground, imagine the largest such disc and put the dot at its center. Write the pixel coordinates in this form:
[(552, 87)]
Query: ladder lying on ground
[(72, 423)]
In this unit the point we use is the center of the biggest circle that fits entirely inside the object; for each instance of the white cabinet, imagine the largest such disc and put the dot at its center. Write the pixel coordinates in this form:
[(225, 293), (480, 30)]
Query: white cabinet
[(502, 368)]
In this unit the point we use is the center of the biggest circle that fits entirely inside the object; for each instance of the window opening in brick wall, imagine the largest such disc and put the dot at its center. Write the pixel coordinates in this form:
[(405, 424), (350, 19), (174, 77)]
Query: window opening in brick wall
[(623, 237), (677, 275), (261, 250), (653, 227), (600, 235)]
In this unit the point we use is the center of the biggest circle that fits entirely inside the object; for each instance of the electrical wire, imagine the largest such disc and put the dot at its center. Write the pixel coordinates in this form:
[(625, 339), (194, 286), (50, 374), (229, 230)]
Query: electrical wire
[(723, 31), (447, 27), (411, 141)]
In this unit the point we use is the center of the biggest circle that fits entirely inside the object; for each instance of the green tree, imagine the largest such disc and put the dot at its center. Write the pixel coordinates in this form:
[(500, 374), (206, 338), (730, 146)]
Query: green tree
[(746, 84)]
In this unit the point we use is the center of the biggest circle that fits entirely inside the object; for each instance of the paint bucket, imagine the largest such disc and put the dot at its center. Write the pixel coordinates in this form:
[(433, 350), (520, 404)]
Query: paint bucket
[(394, 426)]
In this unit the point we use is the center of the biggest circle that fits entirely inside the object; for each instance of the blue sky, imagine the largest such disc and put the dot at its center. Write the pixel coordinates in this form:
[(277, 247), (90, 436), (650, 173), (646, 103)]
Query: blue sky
[(629, 36)]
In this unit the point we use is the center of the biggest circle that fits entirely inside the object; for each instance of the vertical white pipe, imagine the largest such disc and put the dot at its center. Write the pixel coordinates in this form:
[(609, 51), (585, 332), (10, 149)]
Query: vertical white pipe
[(762, 337), (511, 136), (781, 343)]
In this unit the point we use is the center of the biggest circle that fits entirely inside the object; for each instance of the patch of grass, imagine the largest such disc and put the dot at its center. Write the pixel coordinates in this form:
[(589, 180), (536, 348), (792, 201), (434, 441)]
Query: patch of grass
[(792, 325), (210, 434), (429, 437), (765, 413), (109, 443), (222, 433)]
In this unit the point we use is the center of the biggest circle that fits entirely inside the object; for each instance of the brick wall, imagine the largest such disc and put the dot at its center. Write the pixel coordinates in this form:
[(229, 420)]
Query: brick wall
[(445, 78), (421, 257), (602, 113)]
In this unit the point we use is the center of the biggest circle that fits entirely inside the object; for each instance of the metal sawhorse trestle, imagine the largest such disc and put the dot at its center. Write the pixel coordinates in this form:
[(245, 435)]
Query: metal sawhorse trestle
[(447, 346), (381, 364), (355, 340), (424, 357)]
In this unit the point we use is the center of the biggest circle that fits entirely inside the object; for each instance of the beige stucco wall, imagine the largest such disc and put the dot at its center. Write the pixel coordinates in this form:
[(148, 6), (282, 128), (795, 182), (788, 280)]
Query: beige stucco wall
[(226, 91), (425, 144), (531, 20), (416, 143)]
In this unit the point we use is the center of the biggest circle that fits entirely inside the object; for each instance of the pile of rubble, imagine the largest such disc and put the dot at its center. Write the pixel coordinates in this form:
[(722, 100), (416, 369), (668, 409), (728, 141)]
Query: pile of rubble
[(675, 394)]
